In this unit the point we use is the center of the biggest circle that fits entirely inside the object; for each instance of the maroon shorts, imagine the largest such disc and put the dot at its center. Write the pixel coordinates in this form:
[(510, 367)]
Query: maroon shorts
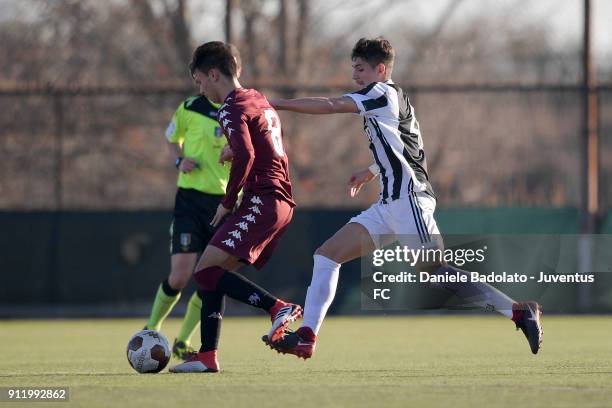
[(253, 231)]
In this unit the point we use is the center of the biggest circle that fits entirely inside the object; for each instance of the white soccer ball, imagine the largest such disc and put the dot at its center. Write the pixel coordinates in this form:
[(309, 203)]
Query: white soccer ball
[(148, 351)]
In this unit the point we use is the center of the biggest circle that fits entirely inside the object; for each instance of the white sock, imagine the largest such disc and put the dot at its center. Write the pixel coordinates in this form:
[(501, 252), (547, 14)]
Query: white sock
[(321, 291), (479, 293)]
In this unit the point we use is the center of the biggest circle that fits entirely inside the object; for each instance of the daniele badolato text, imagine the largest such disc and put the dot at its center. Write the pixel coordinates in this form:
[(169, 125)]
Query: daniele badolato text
[(403, 256), (492, 277)]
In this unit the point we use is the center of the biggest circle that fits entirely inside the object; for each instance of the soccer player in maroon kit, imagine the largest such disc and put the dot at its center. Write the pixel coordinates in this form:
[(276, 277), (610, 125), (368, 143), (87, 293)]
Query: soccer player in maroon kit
[(250, 232)]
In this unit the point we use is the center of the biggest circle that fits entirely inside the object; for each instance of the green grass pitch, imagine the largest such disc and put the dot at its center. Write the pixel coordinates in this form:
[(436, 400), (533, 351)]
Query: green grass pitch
[(437, 361)]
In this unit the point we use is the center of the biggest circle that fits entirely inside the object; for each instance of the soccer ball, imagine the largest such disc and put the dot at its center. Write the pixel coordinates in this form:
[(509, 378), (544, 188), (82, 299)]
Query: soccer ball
[(148, 351)]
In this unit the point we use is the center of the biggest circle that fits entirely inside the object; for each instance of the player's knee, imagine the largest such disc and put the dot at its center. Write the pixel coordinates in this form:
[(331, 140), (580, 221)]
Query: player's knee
[(332, 249), (208, 278), (180, 274), (328, 250), (178, 280)]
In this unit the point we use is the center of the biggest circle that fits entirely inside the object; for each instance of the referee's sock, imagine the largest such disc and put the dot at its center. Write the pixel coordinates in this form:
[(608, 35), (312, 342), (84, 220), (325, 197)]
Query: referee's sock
[(191, 319), (165, 299)]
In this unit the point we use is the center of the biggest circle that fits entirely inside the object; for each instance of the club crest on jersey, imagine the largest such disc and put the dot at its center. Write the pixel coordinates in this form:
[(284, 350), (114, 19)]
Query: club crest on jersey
[(185, 240)]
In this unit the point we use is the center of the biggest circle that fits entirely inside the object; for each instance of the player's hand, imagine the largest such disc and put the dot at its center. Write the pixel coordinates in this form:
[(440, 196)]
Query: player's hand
[(221, 212), (188, 165), (226, 154), (358, 180)]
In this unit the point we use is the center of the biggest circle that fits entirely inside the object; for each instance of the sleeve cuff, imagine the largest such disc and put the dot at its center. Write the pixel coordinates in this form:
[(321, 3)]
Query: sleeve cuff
[(357, 102), (228, 203)]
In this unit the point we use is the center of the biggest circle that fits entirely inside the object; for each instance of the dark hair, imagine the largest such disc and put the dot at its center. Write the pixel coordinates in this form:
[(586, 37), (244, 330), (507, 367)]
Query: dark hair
[(215, 54), (375, 51)]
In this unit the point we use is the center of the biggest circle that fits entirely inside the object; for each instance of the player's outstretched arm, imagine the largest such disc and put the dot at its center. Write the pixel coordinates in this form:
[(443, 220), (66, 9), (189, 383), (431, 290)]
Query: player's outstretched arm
[(317, 105)]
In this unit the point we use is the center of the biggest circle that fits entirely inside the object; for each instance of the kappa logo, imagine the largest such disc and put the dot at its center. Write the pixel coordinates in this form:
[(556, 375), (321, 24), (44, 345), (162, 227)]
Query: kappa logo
[(215, 315), (249, 217), (226, 122), (254, 299), (229, 131), (256, 200), (229, 242), (236, 234), (223, 113), (255, 209), (243, 226)]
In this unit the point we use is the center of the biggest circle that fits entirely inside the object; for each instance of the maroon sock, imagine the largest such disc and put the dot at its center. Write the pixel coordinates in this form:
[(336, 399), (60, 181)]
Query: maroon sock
[(306, 333)]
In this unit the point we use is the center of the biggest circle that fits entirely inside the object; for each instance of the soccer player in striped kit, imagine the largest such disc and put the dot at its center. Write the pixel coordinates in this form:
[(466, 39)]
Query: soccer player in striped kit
[(407, 201), (248, 233)]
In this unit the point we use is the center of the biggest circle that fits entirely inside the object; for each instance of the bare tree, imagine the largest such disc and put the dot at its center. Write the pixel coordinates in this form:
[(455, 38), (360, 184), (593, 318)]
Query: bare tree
[(303, 25), (283, 42), (180, 29), (251, 11)]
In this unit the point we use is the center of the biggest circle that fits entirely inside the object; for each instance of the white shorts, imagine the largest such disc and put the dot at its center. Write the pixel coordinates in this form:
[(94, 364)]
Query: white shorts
[(409, 220)]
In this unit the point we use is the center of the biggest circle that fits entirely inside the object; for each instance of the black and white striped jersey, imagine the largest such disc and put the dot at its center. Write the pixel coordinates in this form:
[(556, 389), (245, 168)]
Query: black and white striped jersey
[(395, 139)]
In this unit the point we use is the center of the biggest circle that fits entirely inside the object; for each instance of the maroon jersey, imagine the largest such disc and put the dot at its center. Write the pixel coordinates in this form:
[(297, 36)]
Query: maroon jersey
[(253, 130)]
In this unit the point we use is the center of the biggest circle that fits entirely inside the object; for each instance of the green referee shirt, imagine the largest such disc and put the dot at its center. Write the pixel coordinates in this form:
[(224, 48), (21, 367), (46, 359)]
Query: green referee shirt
[(194, 126)]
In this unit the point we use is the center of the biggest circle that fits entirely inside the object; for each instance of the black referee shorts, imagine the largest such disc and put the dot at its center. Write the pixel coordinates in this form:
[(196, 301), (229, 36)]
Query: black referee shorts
[(193, 211)]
